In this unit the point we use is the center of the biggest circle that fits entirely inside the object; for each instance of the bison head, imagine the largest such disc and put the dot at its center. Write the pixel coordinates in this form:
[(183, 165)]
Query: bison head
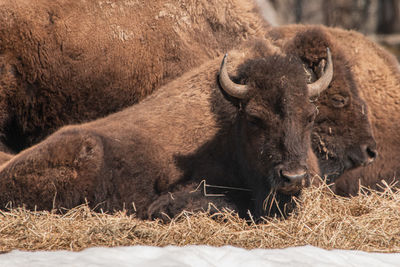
[(273, 124), (342, 136)]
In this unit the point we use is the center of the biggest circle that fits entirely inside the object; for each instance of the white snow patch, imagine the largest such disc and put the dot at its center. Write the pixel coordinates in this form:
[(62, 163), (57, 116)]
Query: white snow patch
[(199, 256)]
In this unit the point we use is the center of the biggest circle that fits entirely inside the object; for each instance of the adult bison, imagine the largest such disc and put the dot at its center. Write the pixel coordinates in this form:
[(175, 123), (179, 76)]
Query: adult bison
[(65, 62), (251, 132), (342, 138), (377, 72)]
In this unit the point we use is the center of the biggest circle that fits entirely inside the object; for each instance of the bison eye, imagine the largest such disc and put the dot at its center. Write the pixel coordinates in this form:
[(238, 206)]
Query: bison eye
[(255, 121), (339, 101)]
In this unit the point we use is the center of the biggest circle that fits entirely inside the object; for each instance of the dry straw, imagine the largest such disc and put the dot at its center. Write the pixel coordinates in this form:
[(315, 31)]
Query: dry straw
[(369, 222)]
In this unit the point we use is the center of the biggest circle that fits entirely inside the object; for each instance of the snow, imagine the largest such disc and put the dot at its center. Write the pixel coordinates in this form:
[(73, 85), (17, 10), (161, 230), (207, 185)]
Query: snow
[(199, 256)]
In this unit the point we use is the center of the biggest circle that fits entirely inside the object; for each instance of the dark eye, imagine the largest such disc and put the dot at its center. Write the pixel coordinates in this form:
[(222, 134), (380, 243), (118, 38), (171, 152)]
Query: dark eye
[(339, 101), (255, 121)]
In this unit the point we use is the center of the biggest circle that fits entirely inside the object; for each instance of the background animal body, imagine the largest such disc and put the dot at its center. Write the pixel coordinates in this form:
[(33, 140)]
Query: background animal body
[(65, 62), (185, 132)]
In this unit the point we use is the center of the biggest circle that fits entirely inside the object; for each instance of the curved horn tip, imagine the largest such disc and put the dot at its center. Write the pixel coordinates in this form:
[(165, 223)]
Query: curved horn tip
[(328, 52), (223, 62)]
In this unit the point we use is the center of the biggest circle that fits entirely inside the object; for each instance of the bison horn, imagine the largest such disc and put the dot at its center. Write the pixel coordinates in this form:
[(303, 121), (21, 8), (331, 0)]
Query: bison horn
[(316, 88), (239, 91)]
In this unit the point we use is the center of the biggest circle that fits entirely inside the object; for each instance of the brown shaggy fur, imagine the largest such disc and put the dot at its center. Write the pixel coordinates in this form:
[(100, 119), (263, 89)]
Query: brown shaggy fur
[(65, 62), (187, 131), (375, 74), (342, 137)]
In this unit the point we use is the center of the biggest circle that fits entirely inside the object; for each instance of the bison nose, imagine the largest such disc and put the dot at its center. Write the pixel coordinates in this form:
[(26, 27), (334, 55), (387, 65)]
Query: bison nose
[(292, 179), (370, 153), (294, 176)]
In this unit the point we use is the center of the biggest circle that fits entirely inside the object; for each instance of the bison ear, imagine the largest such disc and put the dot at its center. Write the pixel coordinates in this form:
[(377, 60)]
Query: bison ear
[(320, 70), (316, 88), (310, 74)]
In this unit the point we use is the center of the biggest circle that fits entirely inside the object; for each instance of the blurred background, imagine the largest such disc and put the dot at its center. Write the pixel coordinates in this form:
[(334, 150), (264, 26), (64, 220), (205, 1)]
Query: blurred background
[(379, 19)]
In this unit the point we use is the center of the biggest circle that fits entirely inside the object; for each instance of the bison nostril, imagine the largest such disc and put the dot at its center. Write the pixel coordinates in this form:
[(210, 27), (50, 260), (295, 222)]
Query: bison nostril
[(371, 153)]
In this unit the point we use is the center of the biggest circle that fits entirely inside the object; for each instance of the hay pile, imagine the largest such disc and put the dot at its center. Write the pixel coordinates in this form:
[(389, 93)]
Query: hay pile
[(369, 222)]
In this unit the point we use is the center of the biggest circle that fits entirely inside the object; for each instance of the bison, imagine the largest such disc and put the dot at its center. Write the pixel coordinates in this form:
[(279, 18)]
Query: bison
[(64, 62), (377, 72), (342, 138), (250, 132)]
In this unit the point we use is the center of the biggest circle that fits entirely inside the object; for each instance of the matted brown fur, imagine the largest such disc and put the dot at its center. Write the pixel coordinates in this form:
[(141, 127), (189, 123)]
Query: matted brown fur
[(368, 222), (64, 62)]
